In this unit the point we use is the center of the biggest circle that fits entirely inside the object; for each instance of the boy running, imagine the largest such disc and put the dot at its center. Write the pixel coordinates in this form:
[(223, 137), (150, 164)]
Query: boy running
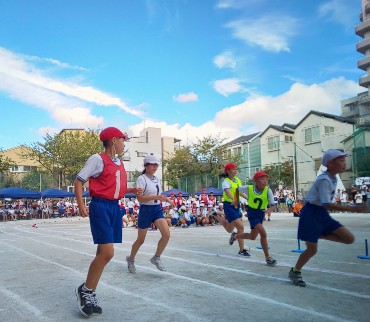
[(107, 185), (315, 221)]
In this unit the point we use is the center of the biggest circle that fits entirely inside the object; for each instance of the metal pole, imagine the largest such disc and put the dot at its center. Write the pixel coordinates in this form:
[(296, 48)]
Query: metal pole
[(294, 184)]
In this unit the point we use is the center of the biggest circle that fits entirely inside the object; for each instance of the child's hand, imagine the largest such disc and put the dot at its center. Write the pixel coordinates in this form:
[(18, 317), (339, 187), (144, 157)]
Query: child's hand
[(139, 191)]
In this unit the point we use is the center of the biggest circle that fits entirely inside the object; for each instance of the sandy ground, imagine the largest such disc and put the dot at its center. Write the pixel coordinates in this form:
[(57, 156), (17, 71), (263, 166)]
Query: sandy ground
[(205, 279)]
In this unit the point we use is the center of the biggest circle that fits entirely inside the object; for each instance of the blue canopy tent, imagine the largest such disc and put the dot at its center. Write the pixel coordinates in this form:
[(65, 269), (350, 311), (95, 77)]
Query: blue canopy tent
[(18, 193), (175, 191), (56, 193), (216, 192), (127, 195)]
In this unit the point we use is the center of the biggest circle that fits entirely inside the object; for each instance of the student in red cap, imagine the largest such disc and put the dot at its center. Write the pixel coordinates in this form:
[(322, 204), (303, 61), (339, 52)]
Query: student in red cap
[(260, 202), (107, 185), (231, 203)]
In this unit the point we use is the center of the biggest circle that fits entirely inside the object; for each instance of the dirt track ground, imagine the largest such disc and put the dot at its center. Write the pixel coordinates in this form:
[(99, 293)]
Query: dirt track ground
[(204, 281)]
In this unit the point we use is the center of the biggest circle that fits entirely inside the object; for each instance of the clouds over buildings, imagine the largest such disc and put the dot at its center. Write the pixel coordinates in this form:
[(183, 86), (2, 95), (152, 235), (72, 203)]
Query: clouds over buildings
[(65, 100), (257, 112)]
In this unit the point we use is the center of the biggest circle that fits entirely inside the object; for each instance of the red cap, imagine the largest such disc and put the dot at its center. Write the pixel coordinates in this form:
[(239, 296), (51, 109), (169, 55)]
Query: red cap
[(230, 166), (110, 133), (172, 193), (260, 174)]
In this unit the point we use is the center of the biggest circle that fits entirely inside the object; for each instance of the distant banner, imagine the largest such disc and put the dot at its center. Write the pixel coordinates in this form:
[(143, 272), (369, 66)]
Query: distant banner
[(362, 180)]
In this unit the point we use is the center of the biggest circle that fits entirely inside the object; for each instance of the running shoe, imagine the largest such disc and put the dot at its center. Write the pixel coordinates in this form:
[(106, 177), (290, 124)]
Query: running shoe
[(131, 265), (84, 301), (271, 262), (296, 278), (244, 253), (97, 310), (157, 262), (232, 239)]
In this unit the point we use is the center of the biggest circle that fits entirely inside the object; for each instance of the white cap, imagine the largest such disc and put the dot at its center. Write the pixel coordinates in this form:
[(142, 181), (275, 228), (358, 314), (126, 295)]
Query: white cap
[(150, 158), (332, 154)]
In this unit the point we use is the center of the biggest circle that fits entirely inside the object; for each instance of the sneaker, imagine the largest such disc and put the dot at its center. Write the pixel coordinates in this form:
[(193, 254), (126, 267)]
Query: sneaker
[(244, 253), (97, 310), (131, 265), (296, 278), (232, 239), (157, 262), (84, 301), (271, 262)]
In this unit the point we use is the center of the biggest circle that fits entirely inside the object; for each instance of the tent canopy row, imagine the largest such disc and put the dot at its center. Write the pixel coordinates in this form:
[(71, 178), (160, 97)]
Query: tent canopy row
[(20, 193)]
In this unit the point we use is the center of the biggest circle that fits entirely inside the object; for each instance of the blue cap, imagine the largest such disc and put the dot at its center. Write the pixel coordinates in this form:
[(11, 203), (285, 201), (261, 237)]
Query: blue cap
[(332, 154)]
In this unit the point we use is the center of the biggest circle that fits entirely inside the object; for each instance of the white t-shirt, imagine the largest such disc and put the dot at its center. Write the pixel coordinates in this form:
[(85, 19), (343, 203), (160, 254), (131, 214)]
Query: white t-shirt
[(150, 186)]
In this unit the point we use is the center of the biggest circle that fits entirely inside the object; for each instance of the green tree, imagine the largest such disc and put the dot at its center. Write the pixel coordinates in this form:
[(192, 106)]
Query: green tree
[(5, 163), (280, 174), (63, 155), (207, 156), (181, 164)]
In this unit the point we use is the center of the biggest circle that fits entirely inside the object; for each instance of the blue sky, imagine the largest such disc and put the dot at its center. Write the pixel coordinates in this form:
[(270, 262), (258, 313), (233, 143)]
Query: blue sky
[(191, 67)]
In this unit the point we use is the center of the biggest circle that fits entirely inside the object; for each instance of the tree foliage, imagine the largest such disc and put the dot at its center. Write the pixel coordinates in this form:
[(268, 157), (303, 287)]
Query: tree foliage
[(280, 174), (63, 155), (5, 163), (207, 156)]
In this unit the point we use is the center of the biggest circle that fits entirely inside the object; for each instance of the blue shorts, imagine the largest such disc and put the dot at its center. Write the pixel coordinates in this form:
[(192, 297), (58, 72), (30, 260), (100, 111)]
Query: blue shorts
[(315, 221), (105, 221), (231, 212), (255, 217), (149, 214)]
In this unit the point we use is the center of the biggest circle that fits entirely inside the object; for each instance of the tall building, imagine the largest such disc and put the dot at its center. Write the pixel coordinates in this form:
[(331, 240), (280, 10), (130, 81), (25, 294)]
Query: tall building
[(358, 107)]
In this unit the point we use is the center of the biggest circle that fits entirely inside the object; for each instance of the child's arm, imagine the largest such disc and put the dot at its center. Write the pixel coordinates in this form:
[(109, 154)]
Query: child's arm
[(78, 192)]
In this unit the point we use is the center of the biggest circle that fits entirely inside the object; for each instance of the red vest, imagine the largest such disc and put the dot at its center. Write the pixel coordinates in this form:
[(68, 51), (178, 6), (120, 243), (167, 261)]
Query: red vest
[(204, 198), (111, 184)]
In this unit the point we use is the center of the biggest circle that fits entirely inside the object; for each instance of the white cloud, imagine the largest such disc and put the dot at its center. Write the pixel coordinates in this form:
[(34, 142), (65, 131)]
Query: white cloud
[(54, 62), (271, 33), (339, 11), (68, 102), (225, 60), (258, 112), (227, 86), (48, 130), (184, 98)]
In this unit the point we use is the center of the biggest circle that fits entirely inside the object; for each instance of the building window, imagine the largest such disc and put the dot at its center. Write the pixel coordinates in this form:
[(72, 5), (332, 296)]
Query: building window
[(141, 154), (256, 169), (312, 134), (130, 176), (273, 143), (237, 151), (329, 130), (146, 137), (126, 156), (288, 138), (15, 168)]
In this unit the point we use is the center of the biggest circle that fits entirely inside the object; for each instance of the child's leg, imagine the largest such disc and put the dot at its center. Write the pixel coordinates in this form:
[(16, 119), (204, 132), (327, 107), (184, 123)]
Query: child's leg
[(311, 250), (238, 224), (228, 226), (340, 235), (104, 254), (141, 234), (165, 232)]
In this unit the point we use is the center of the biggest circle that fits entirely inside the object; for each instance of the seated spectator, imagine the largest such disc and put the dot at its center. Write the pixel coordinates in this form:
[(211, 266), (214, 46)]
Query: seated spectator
[(297, 208), (202, 219), (167, 216), (210, 217), (174, 216)]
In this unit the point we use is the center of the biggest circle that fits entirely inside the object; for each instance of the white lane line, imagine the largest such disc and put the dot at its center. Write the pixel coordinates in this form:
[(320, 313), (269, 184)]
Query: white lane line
[(347, 274), (21, 302), (190, 279), (126, 293)]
